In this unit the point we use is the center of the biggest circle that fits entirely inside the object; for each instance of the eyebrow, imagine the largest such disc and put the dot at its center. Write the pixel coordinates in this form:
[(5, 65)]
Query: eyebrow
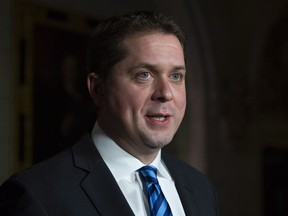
[(152, 66)]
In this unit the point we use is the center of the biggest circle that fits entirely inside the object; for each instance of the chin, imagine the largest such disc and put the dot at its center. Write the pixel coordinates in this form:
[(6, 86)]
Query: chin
[(159, 143)]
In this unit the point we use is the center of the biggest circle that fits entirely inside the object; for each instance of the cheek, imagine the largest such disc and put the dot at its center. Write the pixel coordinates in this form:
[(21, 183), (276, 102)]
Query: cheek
[(136, 100), (180, 100), (128, 100)]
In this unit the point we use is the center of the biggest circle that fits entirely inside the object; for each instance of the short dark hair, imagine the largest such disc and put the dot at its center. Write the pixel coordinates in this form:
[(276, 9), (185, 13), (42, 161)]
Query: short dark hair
[(105, 48)]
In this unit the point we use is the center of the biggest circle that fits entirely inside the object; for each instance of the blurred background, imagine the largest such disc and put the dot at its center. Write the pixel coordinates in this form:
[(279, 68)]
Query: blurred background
[(236, 125)]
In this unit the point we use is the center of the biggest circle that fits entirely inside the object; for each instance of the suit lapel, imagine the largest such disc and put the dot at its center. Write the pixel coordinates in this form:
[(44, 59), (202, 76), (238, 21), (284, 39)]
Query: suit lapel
[(104, 192), (99, 185), (184, 189)]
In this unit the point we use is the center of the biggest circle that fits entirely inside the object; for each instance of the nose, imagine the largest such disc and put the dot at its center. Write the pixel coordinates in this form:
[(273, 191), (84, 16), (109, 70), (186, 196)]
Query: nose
[(162, 91)]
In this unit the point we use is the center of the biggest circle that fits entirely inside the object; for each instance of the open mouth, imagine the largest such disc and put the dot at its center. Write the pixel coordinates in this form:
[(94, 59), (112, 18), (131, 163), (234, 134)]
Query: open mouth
[(159, 118)]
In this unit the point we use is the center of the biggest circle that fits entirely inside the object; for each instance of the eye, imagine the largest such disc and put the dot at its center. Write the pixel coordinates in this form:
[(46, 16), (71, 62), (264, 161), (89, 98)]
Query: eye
[(176, 76), (143, 75)]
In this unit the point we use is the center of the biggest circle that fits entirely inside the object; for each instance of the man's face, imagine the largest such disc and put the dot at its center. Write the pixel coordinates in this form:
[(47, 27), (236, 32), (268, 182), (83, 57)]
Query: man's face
[(144, 99)]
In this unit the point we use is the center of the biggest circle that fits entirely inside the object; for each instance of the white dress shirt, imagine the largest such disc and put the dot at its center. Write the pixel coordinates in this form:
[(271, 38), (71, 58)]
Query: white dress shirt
[(124, 168)]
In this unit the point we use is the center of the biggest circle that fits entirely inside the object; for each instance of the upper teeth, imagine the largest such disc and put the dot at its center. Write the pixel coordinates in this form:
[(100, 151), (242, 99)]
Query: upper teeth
[(159, 118)]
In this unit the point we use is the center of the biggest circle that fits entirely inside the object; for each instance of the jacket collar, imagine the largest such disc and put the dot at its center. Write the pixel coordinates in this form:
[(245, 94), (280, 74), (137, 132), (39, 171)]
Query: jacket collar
[(104, 192), (99, 184), (183, 185)]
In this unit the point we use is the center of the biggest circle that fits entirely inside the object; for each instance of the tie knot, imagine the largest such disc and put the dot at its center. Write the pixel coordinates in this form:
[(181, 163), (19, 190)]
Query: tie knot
[(149, 174)]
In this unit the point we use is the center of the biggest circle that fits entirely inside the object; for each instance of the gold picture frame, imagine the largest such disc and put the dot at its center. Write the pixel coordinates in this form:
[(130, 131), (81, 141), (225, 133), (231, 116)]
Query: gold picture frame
[(53, 106)]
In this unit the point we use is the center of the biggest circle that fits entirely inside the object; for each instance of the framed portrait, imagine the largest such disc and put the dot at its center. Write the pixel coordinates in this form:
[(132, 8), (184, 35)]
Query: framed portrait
[(54, 107)]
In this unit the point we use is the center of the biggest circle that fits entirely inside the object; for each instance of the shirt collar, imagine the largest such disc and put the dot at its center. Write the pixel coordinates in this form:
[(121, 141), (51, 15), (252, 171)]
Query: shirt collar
[(120, 162)]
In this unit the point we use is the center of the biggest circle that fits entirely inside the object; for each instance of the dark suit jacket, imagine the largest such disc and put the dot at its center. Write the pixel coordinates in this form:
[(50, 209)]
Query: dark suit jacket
[(78, 182)]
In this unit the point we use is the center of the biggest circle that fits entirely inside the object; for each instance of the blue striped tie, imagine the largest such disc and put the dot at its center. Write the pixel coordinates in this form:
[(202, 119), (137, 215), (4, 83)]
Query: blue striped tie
[(157, 202)]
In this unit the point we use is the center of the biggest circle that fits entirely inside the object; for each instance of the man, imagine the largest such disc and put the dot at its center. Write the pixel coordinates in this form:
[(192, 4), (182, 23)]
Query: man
[(137, 82)]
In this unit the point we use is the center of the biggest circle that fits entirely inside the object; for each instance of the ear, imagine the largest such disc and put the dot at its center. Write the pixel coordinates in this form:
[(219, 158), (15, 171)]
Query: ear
[(95, 87)]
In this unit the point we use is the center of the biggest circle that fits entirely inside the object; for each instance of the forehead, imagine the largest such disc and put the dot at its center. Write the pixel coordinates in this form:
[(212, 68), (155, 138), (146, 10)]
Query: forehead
[(160, 52), (153, 43), (152, 35)]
